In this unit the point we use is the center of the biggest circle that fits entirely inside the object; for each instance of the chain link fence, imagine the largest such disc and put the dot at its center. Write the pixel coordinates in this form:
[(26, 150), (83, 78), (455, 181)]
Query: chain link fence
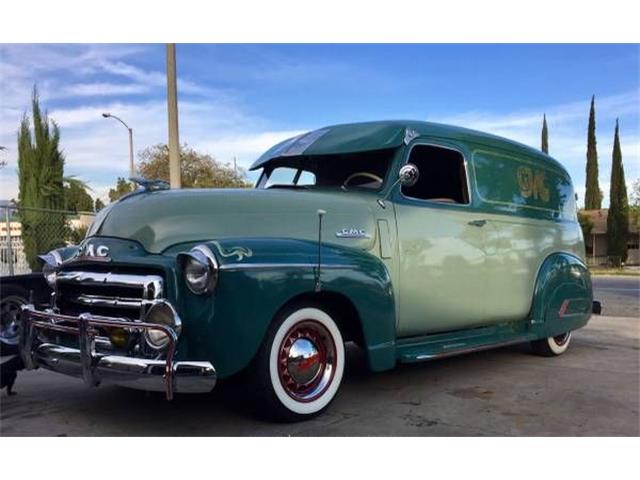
[(27, 232)]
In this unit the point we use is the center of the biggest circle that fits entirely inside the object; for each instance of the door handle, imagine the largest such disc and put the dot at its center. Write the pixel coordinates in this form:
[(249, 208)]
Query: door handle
[(477, 223)]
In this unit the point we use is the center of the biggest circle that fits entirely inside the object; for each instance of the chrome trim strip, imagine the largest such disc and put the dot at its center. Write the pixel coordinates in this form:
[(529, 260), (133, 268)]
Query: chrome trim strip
[(272, 266), (206, 251), (462, 351)]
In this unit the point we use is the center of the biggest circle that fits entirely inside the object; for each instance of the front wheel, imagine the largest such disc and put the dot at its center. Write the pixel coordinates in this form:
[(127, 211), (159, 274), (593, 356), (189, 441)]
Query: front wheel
[(552, 346), (11, 303), (299, 367)]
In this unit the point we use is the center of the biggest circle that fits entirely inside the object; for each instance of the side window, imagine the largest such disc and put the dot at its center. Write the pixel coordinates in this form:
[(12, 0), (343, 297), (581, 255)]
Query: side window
[(442, 175), (306, 178), (290, 176), (281, 176)]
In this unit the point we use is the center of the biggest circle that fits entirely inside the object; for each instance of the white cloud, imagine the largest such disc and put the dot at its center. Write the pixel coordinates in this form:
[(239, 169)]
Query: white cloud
[(103, 89), (247, 147), (568, 133), (150, 78), (101, 78)]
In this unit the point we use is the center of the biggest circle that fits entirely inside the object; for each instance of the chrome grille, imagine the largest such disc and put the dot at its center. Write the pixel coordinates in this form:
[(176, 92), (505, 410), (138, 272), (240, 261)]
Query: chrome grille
[(106, 293)]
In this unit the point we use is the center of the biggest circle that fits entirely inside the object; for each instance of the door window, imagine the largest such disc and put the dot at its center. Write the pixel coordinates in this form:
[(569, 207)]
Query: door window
[(442, 178)]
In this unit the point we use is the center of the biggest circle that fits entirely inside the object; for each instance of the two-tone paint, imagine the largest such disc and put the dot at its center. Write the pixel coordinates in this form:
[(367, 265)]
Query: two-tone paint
[(420, 278), (415, 280)]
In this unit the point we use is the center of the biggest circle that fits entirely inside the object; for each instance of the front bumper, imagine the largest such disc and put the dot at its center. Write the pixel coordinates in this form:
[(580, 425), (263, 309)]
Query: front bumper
[(96, 368)]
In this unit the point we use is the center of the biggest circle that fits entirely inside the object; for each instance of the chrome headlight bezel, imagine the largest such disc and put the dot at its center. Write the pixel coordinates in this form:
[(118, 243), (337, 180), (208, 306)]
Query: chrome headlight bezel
[(203, 258), (50, 264), (158, 339)]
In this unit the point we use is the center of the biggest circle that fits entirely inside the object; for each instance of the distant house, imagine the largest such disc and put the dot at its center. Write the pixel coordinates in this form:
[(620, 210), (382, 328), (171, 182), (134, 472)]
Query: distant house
[(596, 241)]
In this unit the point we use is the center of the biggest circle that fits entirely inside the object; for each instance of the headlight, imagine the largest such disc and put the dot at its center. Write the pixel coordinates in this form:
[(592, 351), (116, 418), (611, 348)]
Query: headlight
[(161, 313), (200, 269), (50, 263)]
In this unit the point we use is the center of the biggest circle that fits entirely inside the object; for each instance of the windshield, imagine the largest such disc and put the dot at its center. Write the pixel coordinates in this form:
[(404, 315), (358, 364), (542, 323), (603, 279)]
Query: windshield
[(363, 170)]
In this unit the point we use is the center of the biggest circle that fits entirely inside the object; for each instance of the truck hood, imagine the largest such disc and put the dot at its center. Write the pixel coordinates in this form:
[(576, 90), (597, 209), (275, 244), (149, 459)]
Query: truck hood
[(161, 219)]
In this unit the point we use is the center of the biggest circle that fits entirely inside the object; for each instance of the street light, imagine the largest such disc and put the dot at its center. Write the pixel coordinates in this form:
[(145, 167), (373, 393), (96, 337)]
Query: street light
[(131, 168)]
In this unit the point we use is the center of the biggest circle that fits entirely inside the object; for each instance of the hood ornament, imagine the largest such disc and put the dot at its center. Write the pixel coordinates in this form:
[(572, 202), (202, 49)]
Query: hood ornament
[(409, 134)]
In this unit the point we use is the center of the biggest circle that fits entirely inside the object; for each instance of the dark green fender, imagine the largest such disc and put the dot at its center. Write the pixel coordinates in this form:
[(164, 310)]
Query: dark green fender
[(563, 296), (228, 326)]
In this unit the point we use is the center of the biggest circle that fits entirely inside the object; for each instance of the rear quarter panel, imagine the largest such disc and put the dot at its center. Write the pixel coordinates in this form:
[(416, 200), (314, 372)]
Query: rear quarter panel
[(530, 204)]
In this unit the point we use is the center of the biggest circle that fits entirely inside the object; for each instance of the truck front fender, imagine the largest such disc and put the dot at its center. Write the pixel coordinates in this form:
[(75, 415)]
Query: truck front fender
[(265, 274)]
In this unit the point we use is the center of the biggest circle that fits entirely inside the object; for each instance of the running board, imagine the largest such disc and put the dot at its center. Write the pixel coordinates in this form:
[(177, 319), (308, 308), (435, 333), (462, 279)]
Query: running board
[(442, 345)]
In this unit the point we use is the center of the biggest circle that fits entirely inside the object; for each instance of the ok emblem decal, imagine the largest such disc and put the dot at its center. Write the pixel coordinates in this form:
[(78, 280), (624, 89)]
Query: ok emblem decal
[(531, 183)]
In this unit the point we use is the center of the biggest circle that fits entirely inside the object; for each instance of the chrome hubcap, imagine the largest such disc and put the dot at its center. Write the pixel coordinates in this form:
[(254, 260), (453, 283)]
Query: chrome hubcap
[(303, 363), (306, 361)]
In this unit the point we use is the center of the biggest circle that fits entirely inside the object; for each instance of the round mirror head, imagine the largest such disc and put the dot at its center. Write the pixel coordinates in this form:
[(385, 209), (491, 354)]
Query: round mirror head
[(409, 175)]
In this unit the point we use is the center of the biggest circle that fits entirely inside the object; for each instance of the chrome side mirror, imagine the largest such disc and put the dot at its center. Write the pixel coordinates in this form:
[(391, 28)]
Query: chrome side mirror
[(409, 175)]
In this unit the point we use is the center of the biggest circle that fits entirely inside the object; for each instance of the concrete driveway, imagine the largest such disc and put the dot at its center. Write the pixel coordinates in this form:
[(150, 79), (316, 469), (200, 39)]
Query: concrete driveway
[(592, 390)]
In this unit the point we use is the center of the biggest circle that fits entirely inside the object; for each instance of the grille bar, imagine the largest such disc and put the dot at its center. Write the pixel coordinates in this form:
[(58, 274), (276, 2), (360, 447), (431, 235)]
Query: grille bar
[(152, 285), (99, 293), (106, 301)]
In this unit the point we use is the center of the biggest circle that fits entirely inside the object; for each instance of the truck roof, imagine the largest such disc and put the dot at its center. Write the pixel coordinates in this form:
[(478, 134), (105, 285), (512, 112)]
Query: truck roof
[(365, 136)]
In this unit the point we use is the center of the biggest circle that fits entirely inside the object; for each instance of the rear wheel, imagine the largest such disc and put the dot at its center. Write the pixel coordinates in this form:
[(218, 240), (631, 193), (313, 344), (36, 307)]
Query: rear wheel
[(552, 346), (298, 370)]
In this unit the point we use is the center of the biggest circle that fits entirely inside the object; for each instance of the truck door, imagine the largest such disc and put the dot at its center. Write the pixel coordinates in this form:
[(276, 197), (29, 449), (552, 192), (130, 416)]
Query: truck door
[(441, 246)]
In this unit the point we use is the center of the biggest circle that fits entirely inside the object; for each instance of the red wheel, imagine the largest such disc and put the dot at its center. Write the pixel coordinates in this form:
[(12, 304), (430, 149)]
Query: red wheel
[(306, 361), (299, 367)]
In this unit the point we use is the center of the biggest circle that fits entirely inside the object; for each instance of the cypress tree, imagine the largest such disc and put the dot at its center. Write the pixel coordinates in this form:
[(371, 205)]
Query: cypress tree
[(40, 172), (618, 218), (593, 195), (545, 135)]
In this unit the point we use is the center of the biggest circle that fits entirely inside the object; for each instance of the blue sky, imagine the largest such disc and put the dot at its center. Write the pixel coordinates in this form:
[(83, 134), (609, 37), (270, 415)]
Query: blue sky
[(238, 100)]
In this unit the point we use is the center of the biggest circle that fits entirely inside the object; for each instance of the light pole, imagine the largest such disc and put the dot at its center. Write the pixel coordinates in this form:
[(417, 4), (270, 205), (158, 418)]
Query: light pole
[(131, 168)]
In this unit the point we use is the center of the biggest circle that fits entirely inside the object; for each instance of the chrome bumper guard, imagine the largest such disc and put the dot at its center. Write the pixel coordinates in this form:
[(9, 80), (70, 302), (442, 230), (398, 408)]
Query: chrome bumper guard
[(96, 368)]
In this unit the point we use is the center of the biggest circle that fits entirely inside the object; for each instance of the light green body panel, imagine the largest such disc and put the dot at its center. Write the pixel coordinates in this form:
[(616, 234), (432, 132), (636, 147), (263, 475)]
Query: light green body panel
[(490, 271), (161, 219), (456, 273)]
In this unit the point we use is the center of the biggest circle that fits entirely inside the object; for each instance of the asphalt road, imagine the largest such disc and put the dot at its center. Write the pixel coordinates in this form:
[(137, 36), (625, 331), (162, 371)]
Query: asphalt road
[(620, 295), (594, 389)]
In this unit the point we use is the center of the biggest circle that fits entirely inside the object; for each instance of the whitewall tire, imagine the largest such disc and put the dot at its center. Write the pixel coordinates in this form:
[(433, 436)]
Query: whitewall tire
[(300, 366), (552, 346)]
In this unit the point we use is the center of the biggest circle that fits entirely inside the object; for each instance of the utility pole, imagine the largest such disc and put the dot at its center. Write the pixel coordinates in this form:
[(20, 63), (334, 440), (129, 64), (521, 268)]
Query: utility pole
[(172, 106)]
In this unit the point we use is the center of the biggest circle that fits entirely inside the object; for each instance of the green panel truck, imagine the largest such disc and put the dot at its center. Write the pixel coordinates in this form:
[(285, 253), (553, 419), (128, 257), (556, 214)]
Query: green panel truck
[(414, 240)]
